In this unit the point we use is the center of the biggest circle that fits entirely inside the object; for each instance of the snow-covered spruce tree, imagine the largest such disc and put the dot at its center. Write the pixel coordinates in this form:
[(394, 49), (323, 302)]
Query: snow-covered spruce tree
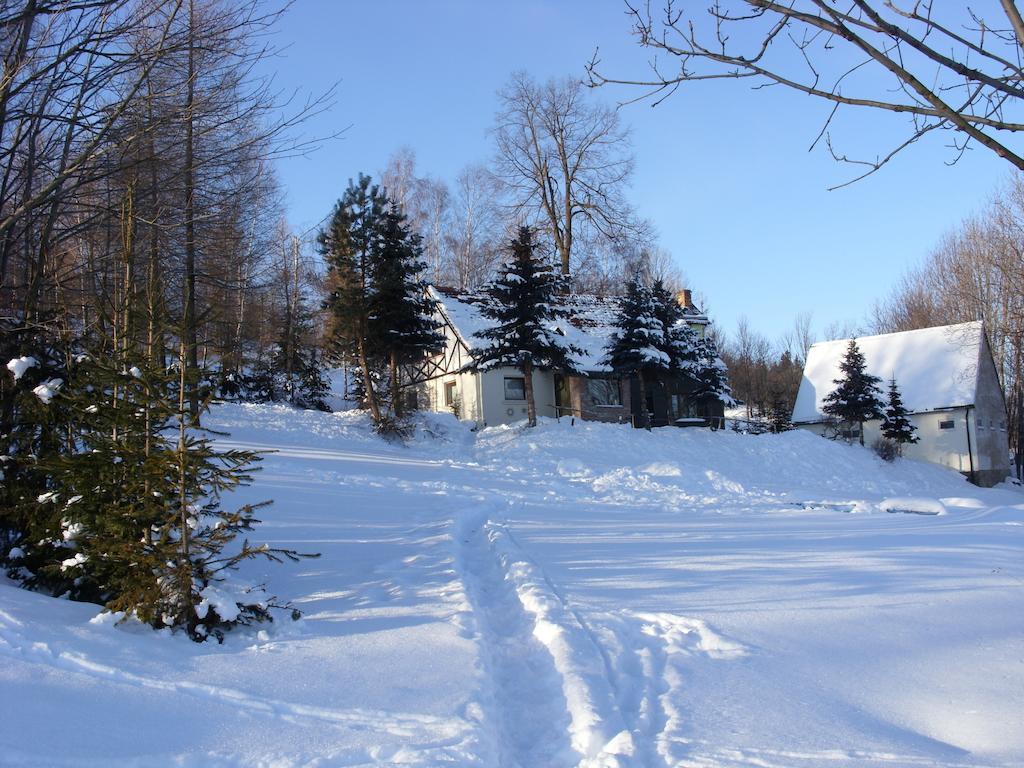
[(32, 428), (896, 426), (348, 244), (523, 304), (679, 341), (131, 518), (856, 397), (635, 348), (712, 375), (401, 324), (296, 370)]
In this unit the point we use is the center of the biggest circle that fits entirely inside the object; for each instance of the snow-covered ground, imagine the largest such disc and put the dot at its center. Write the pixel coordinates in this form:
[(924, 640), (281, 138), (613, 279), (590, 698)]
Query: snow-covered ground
[(571, 595)]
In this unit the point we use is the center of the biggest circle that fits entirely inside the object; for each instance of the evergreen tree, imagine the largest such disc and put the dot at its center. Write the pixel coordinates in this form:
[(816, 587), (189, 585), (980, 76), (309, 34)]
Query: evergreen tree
[(523, 305), (33, 429), (896, 426), (712, 375), (856, 397), (132, 519), (349, 244), (779, 415), (636, 346), (313, 384), (679, 341), (401, 326)]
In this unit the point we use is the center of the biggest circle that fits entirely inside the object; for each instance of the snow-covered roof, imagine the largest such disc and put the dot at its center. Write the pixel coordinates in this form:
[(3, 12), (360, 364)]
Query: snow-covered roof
[(935, 368), (590, 323)]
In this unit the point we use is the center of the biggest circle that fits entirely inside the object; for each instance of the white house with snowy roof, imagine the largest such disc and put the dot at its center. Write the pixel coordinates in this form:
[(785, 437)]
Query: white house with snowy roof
[(498, 396), (949, 385)]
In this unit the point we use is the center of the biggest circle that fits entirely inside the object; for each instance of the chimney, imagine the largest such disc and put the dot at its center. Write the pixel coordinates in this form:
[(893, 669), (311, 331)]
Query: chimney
[(685, 298)]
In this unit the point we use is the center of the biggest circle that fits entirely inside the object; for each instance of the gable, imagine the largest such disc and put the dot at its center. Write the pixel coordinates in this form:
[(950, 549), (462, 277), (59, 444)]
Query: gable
[(935, 368)]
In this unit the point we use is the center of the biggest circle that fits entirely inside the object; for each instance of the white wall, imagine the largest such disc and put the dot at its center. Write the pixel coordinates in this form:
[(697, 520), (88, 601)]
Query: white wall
[(947, 447), (496, 407)]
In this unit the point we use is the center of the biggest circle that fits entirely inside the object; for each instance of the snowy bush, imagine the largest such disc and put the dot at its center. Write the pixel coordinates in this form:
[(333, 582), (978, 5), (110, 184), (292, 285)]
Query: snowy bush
[(889, 450)]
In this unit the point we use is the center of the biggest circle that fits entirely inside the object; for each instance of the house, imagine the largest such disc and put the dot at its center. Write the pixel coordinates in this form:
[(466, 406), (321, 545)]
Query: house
[(949, 385), (498, 396)]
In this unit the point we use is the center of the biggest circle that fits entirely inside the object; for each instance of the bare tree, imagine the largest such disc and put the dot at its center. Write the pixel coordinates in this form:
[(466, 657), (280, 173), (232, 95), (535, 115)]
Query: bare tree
[(564, 162), (476, 234), (943, 65), (426, 202)]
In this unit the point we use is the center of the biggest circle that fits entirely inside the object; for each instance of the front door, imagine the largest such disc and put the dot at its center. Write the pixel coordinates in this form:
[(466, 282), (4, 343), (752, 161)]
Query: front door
[(562, 402)]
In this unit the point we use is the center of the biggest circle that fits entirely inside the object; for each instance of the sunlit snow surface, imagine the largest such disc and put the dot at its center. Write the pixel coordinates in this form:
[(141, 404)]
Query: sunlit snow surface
[(583, 595)]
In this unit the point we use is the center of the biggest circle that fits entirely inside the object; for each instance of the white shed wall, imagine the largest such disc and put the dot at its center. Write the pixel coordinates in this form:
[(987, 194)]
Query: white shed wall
[(947, 447)]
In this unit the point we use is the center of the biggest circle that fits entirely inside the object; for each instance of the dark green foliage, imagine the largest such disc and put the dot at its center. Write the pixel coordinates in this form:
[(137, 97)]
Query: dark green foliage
[(711, 374), (348, 244), (679, 341), (380, 315), (30, 429), (642, 344), (780, 415), (401, 319), (856, 397), (130, 517), (636, 346), (524, 305), (896, 426)]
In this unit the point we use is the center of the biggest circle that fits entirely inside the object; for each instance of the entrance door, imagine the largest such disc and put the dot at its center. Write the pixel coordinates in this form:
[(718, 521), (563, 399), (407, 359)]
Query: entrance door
[(563, 405)]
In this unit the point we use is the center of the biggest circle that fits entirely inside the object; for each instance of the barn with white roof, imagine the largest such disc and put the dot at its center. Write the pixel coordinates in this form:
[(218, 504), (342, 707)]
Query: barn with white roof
[(949, 385)]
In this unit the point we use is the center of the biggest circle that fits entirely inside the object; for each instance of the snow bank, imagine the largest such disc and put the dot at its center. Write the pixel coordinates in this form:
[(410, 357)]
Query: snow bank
[(914, 505)]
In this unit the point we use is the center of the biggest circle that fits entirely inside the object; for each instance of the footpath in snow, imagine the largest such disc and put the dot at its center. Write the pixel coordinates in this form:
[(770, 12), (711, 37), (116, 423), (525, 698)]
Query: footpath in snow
[(583, 595)]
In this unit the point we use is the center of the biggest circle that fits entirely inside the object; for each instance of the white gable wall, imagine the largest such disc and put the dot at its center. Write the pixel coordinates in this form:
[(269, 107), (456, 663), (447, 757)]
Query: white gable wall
[(947, 447)]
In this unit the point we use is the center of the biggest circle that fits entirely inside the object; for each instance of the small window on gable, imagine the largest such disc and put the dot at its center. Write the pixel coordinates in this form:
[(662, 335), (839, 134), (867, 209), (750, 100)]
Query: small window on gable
[(515, 388), (449, 393), (604, 392), (947, 424)]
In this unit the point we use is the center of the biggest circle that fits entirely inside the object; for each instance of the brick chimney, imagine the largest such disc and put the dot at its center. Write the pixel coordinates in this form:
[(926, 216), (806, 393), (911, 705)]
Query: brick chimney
[(685, 298)]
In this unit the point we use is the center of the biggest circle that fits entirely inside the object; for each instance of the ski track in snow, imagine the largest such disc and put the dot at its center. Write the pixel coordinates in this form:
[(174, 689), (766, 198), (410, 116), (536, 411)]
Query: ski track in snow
[(557, 696)]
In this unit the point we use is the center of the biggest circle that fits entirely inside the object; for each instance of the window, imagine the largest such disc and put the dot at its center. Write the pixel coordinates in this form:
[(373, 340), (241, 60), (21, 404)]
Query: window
[(449, 393), (604, 392), (948, 424), (849, 434), (515, 388)]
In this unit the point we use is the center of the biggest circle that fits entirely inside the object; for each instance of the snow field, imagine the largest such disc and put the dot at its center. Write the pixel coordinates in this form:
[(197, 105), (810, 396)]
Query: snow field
[(584, 595)]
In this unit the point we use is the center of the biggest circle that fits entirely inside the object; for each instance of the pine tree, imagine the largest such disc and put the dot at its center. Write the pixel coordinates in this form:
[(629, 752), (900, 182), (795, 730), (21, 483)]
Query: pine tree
[(132, 517), (896, 426), (523, 305), (711, 374), (679, 341), (856, 397), (349, 244), (33, 429), (401, 325), (780, 414), (636, 346)]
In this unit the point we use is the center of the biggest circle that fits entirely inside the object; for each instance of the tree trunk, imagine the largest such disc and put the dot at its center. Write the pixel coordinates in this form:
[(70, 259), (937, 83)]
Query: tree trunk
[(531, 407), (396, 393), (645, 416), (371, 397), (189, 322)]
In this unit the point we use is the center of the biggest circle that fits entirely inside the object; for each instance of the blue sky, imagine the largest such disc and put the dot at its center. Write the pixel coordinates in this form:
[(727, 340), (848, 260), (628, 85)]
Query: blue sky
[(722, 170)]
